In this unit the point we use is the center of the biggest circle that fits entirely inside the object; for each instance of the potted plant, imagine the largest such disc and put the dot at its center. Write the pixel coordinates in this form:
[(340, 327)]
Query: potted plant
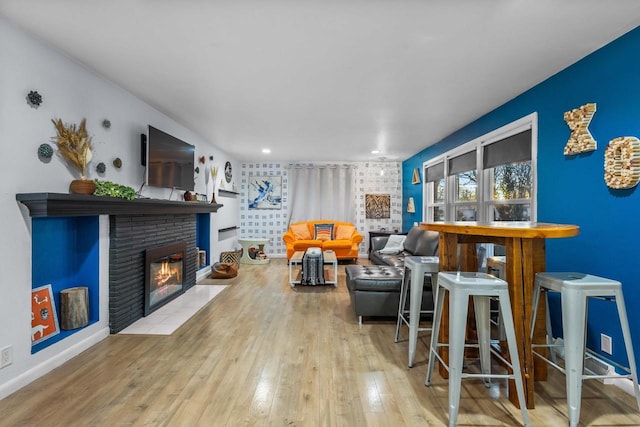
[(74, 145)]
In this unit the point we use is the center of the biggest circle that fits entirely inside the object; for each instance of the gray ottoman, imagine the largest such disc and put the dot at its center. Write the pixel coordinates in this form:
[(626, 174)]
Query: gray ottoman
[(375, 290)]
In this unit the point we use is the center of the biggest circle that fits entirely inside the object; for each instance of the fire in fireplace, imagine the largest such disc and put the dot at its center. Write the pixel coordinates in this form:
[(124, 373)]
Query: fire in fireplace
[(164, 275)]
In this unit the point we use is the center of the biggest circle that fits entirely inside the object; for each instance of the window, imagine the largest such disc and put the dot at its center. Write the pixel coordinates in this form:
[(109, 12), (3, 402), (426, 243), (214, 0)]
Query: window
[(507, 167), (434, 182), (462, 178), (491, 178)]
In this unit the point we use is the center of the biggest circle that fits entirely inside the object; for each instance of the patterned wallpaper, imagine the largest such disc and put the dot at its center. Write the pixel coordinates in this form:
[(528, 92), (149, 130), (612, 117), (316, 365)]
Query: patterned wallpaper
[(370, 178)]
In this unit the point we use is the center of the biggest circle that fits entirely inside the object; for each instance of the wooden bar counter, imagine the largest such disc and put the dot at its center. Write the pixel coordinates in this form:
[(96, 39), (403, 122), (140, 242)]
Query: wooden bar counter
[(525, 256)]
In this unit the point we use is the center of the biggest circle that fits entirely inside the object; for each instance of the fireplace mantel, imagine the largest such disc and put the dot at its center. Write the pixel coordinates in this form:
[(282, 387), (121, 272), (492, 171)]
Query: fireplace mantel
[(61, 204)]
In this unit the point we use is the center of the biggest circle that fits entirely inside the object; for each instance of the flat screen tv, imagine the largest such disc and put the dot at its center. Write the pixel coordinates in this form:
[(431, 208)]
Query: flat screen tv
[(170, 161)]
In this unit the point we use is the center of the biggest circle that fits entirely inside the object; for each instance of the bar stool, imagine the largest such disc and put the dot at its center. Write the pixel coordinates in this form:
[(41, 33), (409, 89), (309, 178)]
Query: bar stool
[(574, 289), (482, 286), (418, 266)]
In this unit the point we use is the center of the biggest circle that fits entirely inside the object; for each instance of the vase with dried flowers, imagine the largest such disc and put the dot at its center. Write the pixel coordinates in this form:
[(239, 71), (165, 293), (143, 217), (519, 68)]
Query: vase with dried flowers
[(74, 145), (214, 173)]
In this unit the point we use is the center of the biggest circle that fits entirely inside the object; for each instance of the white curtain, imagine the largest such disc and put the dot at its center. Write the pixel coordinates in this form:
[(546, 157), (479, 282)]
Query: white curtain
[(321, 192)]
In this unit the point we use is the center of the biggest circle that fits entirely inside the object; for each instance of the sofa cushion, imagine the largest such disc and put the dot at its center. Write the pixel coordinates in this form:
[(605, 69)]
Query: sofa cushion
[(323, 232), (344, 232), (413, 238), (336, 244), (394, 244), (373, 278), (427, 244), (301, 231), (302, 245), (422, 242)]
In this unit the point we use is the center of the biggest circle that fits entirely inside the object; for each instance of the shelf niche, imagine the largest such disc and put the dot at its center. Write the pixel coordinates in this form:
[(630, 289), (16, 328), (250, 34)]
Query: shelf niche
[(65, 254)]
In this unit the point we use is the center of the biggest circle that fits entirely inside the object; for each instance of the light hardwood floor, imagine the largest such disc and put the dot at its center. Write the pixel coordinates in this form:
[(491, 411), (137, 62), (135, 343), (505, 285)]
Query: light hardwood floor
[(262, 353)]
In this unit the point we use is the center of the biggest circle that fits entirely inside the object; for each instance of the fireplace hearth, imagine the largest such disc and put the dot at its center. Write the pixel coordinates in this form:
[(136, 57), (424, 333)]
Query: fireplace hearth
[(164, 275)]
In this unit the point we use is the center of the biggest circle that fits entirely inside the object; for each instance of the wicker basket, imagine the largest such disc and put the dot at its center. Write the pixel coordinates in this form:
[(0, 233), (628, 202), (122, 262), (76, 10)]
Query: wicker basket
[(231, 257)]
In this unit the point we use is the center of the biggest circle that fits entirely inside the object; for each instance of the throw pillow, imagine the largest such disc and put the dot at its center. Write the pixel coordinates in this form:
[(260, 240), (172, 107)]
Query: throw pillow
[(301, 231), (323, 232), (394, 245), (344, 232)]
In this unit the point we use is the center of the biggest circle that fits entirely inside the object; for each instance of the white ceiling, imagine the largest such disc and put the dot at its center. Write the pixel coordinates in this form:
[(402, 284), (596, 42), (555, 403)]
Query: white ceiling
[(326, 80)]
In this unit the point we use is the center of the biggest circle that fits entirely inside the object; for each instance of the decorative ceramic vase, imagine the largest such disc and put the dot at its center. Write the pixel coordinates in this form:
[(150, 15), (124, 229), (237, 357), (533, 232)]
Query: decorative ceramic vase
[(82, 186)]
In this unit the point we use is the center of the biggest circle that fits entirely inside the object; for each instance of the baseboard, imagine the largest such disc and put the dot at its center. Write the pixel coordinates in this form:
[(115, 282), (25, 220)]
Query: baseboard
[(601, 367), (50, 364), (203, 273)]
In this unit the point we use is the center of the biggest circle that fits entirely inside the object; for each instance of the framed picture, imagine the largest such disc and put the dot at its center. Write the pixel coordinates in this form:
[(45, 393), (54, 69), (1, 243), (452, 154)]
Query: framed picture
[(265, 192), (377, 205), (44, 319)]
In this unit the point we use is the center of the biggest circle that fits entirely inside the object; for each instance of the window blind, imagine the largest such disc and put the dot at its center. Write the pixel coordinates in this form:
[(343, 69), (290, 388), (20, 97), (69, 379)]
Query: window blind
[(462, 163), (434, 173), (515, 148)]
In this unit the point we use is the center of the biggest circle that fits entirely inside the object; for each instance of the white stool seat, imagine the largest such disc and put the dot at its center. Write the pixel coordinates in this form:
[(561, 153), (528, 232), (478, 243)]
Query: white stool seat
[(418, 266), (574, 289), (482, 287)]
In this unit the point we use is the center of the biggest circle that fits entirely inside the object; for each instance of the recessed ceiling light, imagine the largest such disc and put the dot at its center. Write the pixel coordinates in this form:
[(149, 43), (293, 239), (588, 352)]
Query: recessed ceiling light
[(375, 151), (266, 150)]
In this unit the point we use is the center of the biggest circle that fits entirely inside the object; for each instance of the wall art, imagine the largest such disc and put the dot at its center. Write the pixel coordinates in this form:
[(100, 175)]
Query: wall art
[(411, 206), (622, 162), (265, 192), (416, 176), (34, 99), (578, 120), (377, 205), (45, 152), (44, 319), (228, 174)]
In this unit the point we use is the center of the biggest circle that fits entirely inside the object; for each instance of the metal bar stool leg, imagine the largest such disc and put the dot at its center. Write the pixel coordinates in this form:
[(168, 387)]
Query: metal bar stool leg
[(457, 328), (433, 346), (509, 330), (574, 317), (402, 303), (481, 306), (626, 333)]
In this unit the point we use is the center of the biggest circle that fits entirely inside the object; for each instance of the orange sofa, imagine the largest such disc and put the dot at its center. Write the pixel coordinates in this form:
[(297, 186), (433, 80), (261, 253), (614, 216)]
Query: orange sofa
[(341, 237)]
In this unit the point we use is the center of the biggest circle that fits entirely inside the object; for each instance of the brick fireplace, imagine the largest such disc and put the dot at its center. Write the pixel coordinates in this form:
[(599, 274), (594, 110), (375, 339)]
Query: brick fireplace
[(130, 238)]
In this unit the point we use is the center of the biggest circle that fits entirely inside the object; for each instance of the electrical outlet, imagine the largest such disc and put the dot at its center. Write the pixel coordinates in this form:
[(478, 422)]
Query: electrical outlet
[(6, 356), (606, 344)]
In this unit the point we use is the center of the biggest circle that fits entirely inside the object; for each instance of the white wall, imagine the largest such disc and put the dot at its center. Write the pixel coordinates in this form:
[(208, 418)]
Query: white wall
[(272, 224), (71, 92)]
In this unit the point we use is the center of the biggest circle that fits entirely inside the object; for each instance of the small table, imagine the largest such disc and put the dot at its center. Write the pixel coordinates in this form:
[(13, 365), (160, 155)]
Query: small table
[(249, 243), (525, 256), (295, 268)]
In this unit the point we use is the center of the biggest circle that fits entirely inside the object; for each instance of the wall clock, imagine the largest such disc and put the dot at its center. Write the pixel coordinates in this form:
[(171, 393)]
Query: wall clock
[(227, 171)]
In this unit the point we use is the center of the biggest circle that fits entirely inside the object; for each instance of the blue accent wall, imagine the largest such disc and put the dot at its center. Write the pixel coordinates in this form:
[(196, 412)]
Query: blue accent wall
[(571, 189)]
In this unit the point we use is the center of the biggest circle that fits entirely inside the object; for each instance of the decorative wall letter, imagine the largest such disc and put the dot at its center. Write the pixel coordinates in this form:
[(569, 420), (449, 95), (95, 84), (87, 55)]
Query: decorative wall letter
[(622, 162), (578, 120)]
